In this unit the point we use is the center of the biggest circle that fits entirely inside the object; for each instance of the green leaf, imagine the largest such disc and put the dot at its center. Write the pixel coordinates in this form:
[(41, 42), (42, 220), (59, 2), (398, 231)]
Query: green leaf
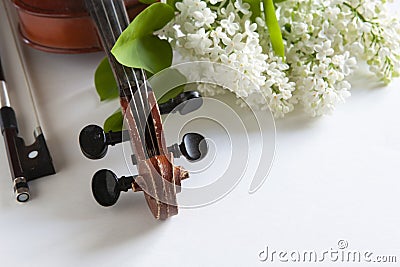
[(148, 2), (104, 81), (255, 8), (137, 47), (153, 18), (172, 3), (274, 28), (167, 84), (114, 122), (147, 52)]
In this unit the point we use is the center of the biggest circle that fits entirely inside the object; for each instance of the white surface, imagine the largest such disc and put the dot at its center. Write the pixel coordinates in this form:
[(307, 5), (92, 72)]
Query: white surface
[(335, 177)]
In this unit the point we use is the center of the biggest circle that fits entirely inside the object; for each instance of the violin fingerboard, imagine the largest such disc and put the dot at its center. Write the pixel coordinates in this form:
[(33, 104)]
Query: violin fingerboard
[(111, 18)]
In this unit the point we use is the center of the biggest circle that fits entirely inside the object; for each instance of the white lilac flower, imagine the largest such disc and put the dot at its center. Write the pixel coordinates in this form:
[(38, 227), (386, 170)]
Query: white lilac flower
[(323, 50), (218, 34), (324, 41), (233, 44), (250, 29), (230, 25), (214, 2), (242, 7), (204, 17), (233, 40), (198, 41)]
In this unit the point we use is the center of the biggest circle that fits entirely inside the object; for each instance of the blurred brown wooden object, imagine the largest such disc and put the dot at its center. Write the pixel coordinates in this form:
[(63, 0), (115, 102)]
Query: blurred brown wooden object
[(62, 26)]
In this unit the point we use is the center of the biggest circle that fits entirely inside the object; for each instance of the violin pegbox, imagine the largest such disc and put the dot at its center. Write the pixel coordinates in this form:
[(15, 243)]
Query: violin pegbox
[(161, 194), (94, 142)]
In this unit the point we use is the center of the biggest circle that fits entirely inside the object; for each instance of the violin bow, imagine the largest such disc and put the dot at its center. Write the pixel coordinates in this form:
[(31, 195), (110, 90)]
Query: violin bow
[(26, 162)]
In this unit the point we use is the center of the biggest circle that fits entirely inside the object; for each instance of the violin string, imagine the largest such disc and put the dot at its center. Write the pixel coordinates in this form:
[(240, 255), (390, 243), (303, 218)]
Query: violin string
[(140, 130), (23, 65), (145, 85), (145, 103), (96, 16), (139, 93), (149, 106)]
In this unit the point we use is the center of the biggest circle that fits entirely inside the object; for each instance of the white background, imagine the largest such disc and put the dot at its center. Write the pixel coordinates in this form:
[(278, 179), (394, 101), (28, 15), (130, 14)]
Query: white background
[(335, 177)]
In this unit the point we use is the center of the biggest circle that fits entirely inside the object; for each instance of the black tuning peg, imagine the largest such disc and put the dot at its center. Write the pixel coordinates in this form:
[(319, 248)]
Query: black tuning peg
[(193, 147), (106, 186), (94, 141), (185, 103)]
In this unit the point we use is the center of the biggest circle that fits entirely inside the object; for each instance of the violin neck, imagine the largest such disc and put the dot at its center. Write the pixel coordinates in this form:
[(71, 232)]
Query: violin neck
[(111, 18)]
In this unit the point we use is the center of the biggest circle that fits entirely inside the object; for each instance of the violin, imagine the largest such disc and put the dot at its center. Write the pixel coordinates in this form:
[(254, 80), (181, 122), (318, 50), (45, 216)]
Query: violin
[(158, 178)]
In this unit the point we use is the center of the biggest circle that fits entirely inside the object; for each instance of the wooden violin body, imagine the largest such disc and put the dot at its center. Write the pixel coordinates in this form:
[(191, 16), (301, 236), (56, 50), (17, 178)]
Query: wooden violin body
[(62, 26)]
